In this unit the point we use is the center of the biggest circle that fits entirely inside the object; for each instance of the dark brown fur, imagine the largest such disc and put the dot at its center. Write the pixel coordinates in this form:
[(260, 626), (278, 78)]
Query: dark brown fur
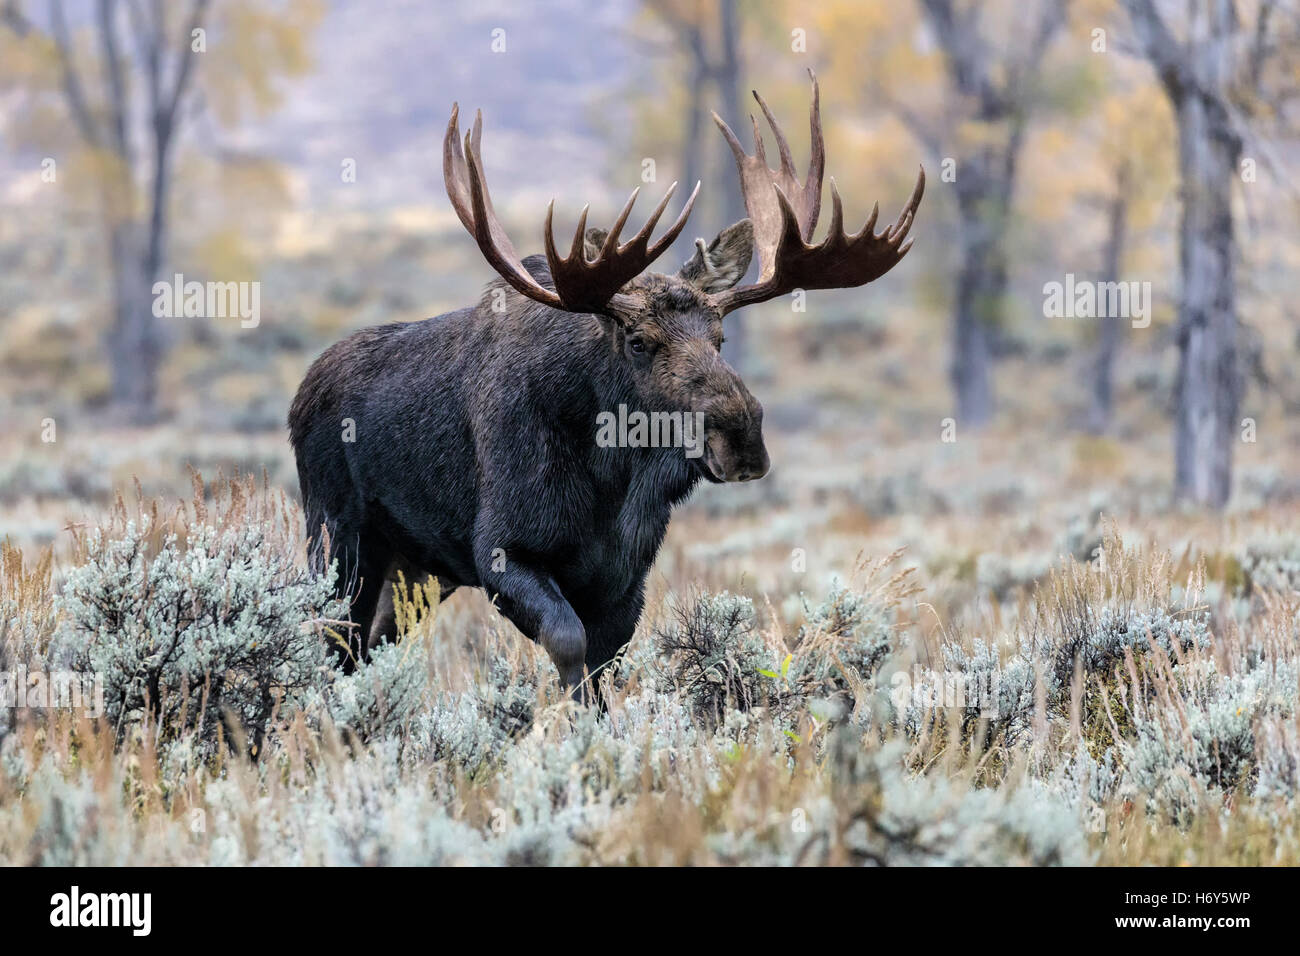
[(475, 458)]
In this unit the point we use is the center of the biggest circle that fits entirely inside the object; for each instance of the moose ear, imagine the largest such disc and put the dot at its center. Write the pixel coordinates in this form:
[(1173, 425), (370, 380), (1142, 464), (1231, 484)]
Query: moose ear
[(724, 261)]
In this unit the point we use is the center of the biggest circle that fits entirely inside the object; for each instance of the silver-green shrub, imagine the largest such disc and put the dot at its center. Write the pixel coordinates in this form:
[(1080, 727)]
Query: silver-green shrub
[(1205, 748), (1272, 563), (382, 696), (845, 632), (471, 729), (209, 636), (712, 653)]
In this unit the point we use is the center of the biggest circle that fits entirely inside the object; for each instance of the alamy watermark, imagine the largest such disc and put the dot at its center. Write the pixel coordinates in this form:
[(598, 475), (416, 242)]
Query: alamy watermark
[(208, 300), (22, 689), (133, 911), (961, 690), (638, 429), (1085, 299)]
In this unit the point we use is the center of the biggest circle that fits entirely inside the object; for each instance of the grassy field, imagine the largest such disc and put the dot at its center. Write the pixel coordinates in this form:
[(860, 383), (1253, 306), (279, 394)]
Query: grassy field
[(1138, 707), (1012, 647)]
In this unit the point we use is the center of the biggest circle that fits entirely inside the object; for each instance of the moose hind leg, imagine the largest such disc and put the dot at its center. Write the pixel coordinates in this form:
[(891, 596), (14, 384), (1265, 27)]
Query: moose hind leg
[(384, 627), (362, 568)]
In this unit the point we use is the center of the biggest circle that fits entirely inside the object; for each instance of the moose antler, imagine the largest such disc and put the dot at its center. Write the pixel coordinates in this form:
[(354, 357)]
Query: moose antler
[(581, 285), (785, 213)]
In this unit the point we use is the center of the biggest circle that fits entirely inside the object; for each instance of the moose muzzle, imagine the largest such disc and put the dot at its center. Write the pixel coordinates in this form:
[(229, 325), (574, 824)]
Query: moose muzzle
[(733, 437)]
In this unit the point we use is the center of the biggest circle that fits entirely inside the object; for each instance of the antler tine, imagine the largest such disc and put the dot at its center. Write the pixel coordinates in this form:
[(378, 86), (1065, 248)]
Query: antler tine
[(485, 216), (737, 150), (463, 175), (670, 236), (791, 236), (782, 145), (580, 285), (760, 151), (611, 238), (837, 211), (454, 173), (579, 234), (914, 201), (784, 213), (586, 285), (870, 227), (576, 254), (817, 158), (642, 238)]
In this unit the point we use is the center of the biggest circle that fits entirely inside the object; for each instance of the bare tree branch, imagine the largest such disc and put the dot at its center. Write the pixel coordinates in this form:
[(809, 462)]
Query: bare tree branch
[(1052, 15), (921, 131), (113, 75), (966, 57), (11, 14), (164, 125), (72, 87), (1260, 48), (197, 12), (148, 37), (1163, 51)]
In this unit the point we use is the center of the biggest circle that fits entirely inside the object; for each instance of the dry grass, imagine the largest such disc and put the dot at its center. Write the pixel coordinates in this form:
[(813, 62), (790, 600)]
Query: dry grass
[(805, 769)]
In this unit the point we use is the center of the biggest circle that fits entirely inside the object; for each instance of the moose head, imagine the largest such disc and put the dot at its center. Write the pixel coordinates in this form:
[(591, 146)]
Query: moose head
[(668, 329)]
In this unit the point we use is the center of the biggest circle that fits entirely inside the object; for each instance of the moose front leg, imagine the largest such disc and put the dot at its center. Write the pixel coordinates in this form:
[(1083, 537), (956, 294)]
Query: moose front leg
[(610, 628), (532, 601)]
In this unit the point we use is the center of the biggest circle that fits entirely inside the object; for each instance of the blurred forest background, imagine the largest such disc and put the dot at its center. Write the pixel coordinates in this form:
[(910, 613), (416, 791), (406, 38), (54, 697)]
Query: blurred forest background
[(296, 144)]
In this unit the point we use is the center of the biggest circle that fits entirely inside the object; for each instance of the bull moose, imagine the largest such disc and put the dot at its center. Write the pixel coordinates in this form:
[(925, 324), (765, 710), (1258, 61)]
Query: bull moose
[(463, 446)]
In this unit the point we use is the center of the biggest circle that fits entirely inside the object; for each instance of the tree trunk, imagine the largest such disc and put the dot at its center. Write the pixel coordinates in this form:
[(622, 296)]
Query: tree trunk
[(134, 343), (692, 158), (1109, 333), (137, 340), (984, 184), (1209, 385), (978, 291), (1209, 388)]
